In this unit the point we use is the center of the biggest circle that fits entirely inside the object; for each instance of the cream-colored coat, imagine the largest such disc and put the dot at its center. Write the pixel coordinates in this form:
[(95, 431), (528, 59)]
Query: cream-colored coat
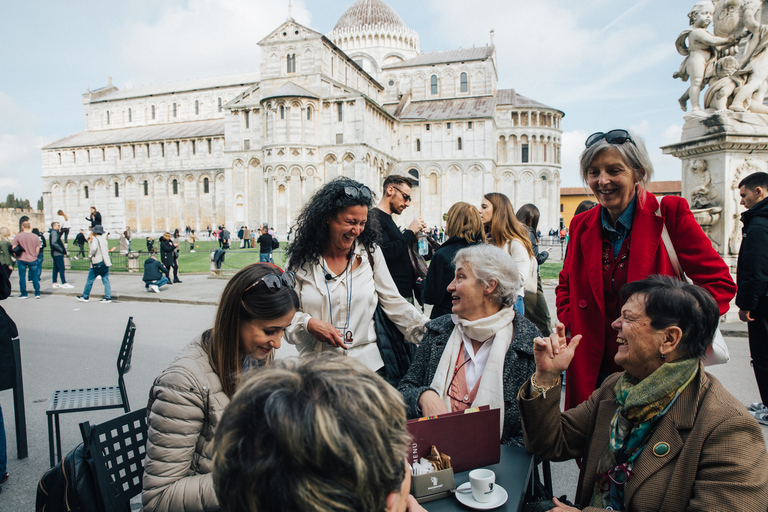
[(185, 405)]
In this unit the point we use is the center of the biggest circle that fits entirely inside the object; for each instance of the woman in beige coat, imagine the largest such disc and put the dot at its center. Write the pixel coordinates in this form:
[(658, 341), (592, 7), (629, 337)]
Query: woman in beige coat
[(186, 401)]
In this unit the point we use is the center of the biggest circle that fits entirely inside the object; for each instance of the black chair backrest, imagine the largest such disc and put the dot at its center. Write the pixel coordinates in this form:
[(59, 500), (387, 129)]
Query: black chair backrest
[(117, 448), (126, 349)]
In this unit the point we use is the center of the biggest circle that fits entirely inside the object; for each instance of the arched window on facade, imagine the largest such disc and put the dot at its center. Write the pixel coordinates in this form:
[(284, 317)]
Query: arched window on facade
[(206, 186), (282, 112), (309, 112), (415, 177), (219, 104), (174, 110), (130, 115), (418, 144), (433, 85), (146, 187), (291, 61), (175, 186), (107, 116), (197, 108), (459, 144), (153, 111), (464, 83), (85, 191), (117, 189)]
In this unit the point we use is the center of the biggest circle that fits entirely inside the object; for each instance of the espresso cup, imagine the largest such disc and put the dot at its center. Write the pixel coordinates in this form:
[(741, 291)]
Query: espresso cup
[(482, 481)]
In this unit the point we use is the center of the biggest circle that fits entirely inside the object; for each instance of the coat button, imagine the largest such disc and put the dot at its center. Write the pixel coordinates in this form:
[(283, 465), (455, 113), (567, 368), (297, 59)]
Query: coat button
[(582, 303), (661, 449)]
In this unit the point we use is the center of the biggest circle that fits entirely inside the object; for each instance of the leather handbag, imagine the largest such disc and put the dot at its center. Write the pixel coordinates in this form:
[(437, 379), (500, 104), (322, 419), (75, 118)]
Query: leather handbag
[(717, 352)]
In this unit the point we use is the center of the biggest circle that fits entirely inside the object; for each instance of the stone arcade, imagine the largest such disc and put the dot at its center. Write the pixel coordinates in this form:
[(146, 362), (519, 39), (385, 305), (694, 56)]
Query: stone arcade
[(359, 102)]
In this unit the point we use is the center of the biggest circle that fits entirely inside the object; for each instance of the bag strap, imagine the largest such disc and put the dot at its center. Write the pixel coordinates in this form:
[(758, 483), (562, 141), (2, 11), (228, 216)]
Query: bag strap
[(670, 247)]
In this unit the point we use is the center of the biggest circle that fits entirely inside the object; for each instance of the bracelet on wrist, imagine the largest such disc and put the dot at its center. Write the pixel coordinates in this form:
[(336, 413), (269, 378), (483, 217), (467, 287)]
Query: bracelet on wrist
[(542, 390)]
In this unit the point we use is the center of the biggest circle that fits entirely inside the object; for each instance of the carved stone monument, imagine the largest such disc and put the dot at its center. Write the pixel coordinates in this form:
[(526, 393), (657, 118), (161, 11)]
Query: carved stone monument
[(725, 136)]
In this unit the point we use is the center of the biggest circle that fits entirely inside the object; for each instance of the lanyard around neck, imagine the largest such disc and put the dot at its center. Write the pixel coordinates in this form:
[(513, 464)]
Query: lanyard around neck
[(349, 290)]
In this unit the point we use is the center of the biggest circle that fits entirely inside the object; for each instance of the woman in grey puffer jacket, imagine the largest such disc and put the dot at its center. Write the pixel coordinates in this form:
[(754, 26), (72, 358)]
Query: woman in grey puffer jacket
[(186, 401)]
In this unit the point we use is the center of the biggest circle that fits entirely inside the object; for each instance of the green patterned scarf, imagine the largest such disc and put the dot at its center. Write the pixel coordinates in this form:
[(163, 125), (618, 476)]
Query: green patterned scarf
[(642, 404)]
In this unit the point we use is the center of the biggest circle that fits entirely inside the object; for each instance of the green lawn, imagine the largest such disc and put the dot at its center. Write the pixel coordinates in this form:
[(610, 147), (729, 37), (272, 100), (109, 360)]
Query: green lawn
[(550, 270)]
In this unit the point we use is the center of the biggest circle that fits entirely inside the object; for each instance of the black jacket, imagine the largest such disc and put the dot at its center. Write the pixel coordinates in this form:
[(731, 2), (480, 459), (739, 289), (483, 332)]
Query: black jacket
[(519, 364), (394, 245), (57, 246), (166, 252), (440, 275), (752, 270), (80, 239), (265, 243), (95, 219), (153, 270)]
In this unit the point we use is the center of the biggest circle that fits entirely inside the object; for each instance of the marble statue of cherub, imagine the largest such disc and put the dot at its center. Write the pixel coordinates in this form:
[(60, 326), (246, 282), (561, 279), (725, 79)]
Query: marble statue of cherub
[(753, 62), (698, 64)]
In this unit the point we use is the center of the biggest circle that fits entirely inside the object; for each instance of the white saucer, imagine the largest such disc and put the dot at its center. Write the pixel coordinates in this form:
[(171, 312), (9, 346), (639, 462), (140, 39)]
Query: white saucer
[(498, 497)]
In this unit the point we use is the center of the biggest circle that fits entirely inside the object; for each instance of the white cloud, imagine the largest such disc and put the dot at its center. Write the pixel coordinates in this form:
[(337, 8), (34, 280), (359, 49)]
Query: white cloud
[(199, 38), (672, 134), (573, 145)]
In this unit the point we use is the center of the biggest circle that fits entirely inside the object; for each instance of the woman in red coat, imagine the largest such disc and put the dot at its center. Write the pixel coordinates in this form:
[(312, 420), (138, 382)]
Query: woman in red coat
[(619, 242)]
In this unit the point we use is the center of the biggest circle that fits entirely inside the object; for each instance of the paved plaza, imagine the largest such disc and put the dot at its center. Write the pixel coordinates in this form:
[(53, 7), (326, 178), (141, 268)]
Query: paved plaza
[(67, 344)]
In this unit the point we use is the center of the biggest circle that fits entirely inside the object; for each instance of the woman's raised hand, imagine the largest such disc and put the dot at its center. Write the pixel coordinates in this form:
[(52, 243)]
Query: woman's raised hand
[(325, 332), (553, 355)]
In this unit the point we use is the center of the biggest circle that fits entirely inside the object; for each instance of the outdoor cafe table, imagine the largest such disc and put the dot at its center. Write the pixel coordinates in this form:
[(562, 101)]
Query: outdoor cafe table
[(513, 473)]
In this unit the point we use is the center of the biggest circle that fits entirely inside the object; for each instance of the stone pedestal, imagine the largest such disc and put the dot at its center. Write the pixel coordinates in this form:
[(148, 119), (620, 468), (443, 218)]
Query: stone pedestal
[(717, 150)]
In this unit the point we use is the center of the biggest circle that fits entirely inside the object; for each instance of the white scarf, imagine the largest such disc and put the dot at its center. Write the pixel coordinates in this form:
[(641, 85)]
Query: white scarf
[(491, 388)]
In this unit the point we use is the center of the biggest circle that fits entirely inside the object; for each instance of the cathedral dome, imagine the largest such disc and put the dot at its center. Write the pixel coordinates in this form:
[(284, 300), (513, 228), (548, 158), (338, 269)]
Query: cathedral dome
[(370, 13)]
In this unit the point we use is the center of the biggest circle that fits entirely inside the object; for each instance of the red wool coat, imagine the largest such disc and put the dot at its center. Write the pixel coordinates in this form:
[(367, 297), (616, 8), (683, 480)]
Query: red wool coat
[(580, 296)]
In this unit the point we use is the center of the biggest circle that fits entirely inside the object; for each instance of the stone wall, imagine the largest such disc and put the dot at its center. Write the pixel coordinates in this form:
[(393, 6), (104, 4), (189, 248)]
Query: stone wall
[(9, 217)]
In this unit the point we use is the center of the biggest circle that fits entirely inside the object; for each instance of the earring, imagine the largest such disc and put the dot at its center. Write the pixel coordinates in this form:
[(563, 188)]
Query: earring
[(663, 358)]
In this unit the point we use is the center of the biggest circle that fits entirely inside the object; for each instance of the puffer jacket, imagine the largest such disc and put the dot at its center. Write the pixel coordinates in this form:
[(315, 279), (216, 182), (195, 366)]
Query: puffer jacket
[(185, 405)]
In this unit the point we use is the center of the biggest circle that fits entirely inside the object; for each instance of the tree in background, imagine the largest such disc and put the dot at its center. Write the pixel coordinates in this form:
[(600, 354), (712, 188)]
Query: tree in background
[(13, 202)]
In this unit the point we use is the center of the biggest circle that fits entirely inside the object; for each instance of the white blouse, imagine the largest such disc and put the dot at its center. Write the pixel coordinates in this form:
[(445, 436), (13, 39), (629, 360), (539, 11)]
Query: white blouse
[(517, 250), (364, 290)]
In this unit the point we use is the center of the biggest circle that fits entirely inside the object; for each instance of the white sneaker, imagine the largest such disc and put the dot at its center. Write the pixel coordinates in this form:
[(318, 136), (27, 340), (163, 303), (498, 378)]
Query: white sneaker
[(106, 301), (37, 296), (81, 298), (22, 297), (98, 277), (67, 285), (56, 285), (154, 288)]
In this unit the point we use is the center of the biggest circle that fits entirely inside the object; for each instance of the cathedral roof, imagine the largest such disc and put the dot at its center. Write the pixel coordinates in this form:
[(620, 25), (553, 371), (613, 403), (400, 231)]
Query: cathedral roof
[(364, 13), (461, 55), (290, 90), (510, 97), (177, 87), (438, 110), (140, 134)]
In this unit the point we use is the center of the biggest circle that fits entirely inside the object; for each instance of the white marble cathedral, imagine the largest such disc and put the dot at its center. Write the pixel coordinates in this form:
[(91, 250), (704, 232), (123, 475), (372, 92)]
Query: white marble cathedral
[(359, 102)]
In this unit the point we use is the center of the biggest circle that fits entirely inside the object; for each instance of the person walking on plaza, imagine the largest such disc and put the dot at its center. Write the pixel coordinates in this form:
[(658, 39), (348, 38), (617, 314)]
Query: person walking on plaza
[(100, 263), (265, 245), (27, 260), (58, 251), (80, 242), (752, 280), (41, 254), (127, 234), (95, 218), (154, 274), (191, 240), (394, 244)]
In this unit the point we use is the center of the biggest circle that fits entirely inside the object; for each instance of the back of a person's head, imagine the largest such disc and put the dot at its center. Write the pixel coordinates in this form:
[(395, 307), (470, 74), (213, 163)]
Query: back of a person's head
[(321, 434)]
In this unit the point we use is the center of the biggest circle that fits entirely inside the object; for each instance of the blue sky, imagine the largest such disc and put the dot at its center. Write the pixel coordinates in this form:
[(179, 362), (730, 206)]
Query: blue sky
[(605, 63)]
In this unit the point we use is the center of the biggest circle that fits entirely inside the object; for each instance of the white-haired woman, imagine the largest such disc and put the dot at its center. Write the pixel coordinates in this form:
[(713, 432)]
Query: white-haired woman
[(482, 353)]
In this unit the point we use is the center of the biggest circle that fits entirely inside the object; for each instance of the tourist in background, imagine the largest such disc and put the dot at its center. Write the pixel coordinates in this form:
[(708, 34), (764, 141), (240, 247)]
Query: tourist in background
[(65, 226), (504, 230), (58, 251), (536, 309), (187, 399), (192, 240), (464, 228), (40, 254), (617, 168), (100, 263), (80, 243), (168, 257), (95, 218), (265, 244), (341, 278), (154, 274), (6, 259)]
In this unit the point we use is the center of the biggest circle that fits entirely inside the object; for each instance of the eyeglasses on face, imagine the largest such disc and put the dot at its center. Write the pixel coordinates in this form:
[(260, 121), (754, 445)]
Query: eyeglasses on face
[(357, 192), (612, 137), (275, 282), (406, 197)]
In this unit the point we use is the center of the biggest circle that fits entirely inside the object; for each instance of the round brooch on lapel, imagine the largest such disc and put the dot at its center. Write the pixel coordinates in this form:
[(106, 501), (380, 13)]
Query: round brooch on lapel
[(661, 449)]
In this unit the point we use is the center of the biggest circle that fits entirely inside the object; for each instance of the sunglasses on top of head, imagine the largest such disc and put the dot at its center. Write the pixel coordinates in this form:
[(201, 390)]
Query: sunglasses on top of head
[(616, 137), (357, 192), (275, 282)]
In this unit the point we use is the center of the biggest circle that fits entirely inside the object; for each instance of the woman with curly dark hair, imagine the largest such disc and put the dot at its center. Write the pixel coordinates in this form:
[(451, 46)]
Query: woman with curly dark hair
[(338, 263)]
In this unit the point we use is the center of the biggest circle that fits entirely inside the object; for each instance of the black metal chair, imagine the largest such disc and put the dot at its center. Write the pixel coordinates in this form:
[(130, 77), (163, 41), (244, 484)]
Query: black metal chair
[(117, 448), (64, 401)]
